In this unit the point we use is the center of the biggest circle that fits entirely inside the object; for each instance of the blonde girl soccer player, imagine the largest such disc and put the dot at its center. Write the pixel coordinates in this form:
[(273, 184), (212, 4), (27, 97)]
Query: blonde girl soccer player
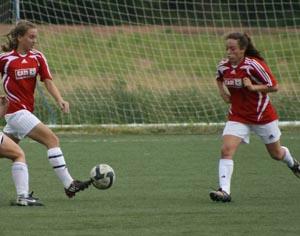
[(20, 65), (248, 81)]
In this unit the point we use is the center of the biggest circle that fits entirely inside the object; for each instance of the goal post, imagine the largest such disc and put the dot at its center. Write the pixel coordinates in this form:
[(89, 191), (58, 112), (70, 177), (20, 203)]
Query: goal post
[(153, 62)]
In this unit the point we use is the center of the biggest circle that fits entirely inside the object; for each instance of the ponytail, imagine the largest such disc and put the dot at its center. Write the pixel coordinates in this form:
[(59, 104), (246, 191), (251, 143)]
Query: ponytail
[(12, 37)]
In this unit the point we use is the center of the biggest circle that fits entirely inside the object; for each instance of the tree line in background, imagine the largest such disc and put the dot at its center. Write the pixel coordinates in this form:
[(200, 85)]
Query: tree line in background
[(267, 13)]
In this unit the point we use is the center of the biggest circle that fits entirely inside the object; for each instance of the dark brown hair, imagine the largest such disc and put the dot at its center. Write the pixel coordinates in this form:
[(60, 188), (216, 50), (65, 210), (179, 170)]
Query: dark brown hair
[(245, 42), (12, 37)]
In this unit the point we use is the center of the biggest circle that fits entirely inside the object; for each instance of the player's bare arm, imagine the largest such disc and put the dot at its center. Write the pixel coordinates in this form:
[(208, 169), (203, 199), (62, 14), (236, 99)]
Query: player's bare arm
[(259, 87), (223, 93), (53, 90), (3, 105)]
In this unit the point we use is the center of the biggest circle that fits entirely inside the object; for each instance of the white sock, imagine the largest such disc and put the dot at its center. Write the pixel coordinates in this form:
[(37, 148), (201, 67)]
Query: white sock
[(57, 161), (20, 177), (287, 158), (225, 173)]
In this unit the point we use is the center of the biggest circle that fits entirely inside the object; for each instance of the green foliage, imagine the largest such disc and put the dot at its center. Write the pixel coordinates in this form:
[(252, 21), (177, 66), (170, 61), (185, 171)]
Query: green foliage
[(108, 77)]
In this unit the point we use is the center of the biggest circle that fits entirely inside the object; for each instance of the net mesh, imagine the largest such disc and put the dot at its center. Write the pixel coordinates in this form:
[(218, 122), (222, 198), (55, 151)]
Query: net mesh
[(154, 62)]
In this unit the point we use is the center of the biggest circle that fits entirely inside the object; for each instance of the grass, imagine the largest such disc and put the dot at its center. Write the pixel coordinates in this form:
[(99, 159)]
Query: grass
[(161, 189)]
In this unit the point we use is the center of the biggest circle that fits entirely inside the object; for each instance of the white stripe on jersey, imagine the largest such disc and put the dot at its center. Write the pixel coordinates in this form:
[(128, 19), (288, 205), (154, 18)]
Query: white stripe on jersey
[(264, 107), (5, 54), (259, 68), (263, 73), (260, 97), (230, 111), (6, 79), (10, 96), (39, 54), (9, 60), (248, 68), (35, 58), (223, 68), (223, 61)]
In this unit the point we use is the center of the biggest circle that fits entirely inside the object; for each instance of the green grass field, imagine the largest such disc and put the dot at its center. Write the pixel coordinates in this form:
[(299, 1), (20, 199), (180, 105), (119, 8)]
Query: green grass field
[(161, 189)]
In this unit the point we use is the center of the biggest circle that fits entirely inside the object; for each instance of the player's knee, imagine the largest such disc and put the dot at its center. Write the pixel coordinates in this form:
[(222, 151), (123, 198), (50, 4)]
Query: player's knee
[(227, 150), (19, 155), (276, 154), (55, 140)]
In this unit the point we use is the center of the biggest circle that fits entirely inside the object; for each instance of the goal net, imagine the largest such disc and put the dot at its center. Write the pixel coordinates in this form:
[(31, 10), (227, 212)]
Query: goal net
[(154, 62)]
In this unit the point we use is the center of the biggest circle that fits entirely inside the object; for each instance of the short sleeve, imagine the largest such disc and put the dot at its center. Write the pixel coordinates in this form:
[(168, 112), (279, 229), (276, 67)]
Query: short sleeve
[(44, 70), (220, 69), (219, 75), (262, 73), (2, 63)]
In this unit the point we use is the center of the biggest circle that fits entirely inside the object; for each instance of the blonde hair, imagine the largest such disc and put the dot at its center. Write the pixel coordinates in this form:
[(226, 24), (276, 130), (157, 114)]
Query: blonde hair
[(12, 37)]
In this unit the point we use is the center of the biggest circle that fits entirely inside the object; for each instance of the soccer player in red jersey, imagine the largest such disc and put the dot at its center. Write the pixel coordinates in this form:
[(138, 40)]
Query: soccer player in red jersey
[(244, 80), (20, 65)]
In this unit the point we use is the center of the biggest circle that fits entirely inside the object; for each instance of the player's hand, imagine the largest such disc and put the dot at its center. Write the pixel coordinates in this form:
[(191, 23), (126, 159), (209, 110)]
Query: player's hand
[(248, 84), (225, 97), (3, 105), (64, 106)]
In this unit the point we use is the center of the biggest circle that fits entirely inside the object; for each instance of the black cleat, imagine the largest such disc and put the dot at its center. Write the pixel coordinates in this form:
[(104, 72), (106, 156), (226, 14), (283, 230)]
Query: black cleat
[(219, 195), (296, 168), (77, 186), (27, 201)]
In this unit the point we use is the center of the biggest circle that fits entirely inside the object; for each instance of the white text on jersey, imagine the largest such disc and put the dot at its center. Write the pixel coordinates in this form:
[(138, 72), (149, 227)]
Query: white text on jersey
[(25, 73)]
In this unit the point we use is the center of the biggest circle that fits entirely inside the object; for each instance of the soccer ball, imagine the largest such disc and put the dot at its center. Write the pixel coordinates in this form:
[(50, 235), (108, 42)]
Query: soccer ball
[(102, 176)]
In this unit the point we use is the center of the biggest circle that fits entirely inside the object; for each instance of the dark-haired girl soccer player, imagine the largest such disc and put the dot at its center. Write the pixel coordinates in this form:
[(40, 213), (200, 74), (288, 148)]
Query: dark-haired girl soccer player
[(248, 80)]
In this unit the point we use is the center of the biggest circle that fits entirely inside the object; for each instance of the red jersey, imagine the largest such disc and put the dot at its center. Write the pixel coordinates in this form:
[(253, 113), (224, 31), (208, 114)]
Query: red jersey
[(248, 107), (19, 73)]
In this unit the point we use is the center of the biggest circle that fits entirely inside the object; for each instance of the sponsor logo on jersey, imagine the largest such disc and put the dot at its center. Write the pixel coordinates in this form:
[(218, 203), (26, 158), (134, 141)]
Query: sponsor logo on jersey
[(25, 73), (234, 82)]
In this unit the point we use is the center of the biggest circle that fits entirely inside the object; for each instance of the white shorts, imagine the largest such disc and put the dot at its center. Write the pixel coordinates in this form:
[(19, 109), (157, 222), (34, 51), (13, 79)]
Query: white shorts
[(269, 133), (20, 123)]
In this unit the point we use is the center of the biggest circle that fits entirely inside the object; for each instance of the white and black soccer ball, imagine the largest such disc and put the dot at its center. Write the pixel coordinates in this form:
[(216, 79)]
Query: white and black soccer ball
[(102, 176)]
